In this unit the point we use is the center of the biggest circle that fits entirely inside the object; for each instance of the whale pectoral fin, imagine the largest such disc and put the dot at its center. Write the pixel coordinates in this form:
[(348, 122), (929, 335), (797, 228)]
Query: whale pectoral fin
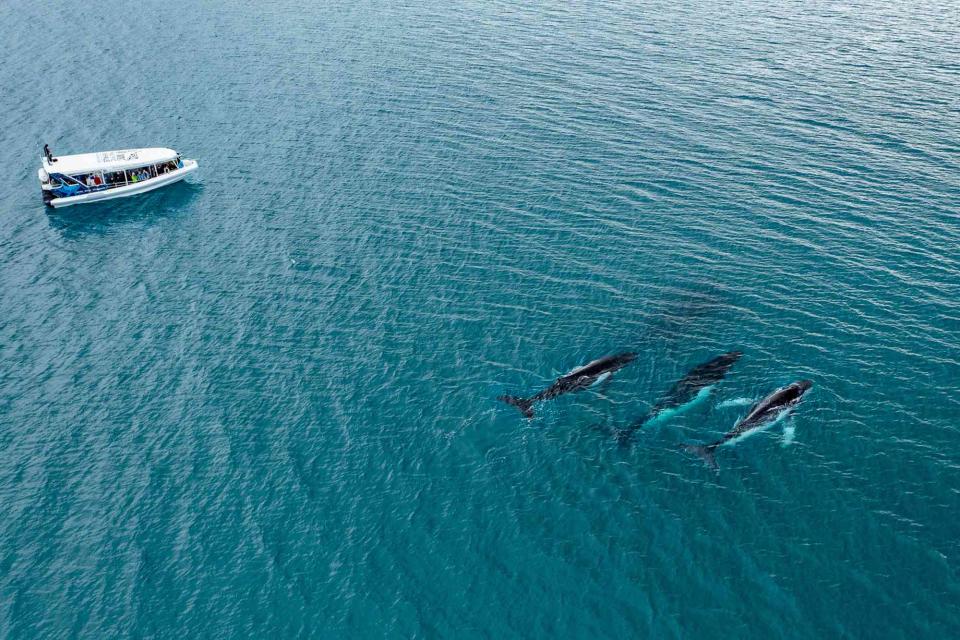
[(604, 380), (600, 383)]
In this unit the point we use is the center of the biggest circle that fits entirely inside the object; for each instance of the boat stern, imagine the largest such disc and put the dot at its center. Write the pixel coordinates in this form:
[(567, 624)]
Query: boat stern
[(46, 187)]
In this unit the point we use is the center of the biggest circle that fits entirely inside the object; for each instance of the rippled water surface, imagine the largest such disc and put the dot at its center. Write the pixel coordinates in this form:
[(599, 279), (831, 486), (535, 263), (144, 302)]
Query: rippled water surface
[(262, 403)]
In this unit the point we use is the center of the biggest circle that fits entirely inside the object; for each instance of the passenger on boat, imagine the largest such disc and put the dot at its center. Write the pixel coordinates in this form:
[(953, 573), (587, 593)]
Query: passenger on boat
[(90, 182), (48, 154)]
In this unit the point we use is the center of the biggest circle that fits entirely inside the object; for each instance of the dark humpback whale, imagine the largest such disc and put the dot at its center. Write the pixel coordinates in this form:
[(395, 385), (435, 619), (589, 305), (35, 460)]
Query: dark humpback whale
[(577, 380), (690, 389), (761, 415), (694, 386)]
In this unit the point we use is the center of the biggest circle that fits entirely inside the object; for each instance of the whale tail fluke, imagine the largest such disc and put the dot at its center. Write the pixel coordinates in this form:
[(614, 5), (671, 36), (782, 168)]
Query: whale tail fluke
[(525, 405), (624, 437), (703, 451), (628, 436)]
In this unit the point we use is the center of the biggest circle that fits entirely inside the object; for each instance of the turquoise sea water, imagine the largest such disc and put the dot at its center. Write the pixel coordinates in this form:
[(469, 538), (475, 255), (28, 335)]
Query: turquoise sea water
[(263, 403)]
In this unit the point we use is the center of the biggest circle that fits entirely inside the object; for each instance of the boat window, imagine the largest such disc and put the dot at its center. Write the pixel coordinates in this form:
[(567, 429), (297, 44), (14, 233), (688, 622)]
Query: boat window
[(140, 174), (87, 179), (115, 177)]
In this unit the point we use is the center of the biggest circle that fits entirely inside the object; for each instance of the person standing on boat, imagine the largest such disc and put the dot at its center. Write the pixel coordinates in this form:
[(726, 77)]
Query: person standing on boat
[(48, 154)]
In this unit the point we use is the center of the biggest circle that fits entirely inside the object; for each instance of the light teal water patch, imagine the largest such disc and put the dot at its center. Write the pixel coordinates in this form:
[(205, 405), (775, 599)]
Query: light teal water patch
[(263, 404)]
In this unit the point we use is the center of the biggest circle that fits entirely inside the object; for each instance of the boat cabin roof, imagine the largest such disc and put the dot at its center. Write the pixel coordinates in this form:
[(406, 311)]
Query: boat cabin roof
[(108, 160)]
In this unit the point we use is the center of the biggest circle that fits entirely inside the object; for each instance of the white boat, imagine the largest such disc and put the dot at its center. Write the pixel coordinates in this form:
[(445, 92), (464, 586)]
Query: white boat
[(92, 177)]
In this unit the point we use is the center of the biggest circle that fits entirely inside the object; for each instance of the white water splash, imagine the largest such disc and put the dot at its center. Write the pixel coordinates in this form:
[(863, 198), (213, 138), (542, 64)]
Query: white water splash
[(735, 402)]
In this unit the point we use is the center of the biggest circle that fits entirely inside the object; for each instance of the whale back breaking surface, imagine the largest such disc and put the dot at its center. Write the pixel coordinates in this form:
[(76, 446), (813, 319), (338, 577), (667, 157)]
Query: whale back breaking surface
[(763, 414), (577, 380), (769, 409), (607, 364), (779, 399), (700, 377)]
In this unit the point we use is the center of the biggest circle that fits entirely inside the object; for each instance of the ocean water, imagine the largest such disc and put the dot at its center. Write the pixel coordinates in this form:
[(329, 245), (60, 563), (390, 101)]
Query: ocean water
[(263, 403)]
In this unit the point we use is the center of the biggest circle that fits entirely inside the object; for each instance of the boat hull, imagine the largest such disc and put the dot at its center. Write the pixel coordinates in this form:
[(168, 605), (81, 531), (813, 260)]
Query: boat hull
[(189, 166)]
